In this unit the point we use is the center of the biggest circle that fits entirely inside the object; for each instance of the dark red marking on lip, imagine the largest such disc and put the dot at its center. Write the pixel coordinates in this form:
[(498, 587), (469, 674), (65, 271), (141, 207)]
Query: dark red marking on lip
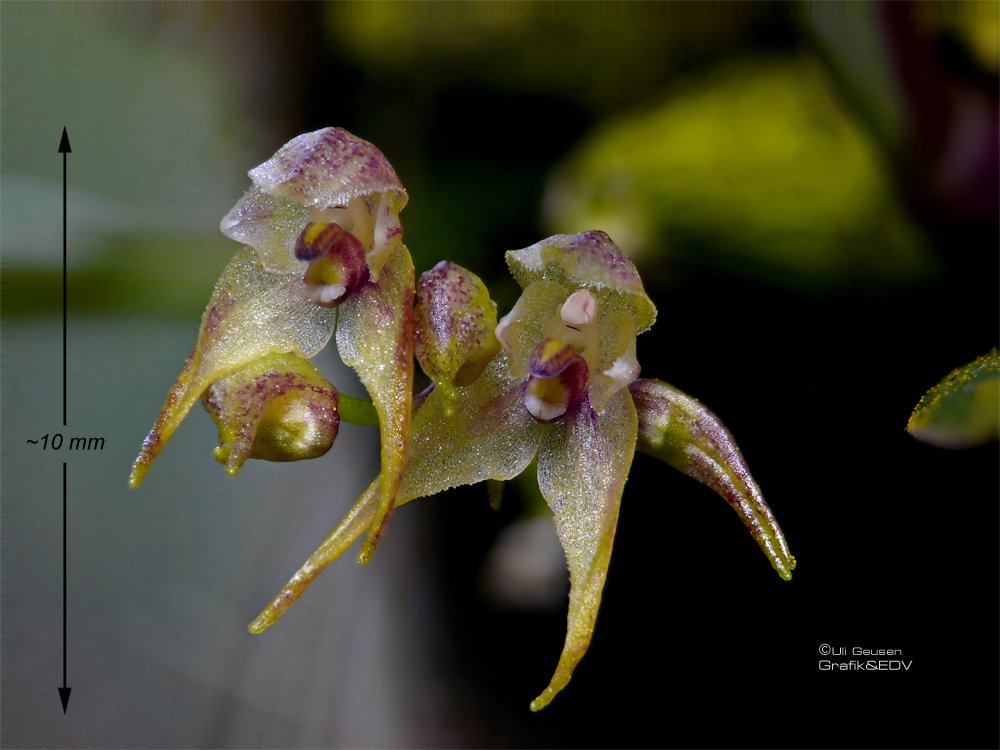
[(314, 241)]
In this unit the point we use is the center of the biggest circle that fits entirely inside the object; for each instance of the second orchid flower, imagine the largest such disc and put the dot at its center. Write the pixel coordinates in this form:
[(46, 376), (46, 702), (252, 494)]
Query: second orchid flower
[(557, 379)]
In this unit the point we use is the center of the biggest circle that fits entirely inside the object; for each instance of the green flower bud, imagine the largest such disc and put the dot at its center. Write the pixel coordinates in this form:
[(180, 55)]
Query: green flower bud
[(276, 408)]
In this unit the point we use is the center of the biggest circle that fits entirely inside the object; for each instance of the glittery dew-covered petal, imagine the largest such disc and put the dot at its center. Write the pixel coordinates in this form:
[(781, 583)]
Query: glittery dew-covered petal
[(309, 177), (615, 365), (582, 466), (270, 224), (484, 433), (455, 321), (251, 313), (589, 260), (351, 527), (326, 169), (375, 337), (680, 431)]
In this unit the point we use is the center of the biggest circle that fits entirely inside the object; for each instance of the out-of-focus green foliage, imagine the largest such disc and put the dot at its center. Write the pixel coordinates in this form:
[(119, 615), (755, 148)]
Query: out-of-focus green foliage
[(754, 167), (588, 51), (855, 43), (123, 274), (963, 410), (858, 52), (977, 24)]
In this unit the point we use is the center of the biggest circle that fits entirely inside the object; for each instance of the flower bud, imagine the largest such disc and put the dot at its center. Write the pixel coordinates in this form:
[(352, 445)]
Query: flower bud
[(454, 323), (276, 408)]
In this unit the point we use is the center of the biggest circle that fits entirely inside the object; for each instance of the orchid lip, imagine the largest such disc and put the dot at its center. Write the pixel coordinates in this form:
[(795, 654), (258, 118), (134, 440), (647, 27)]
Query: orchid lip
[(326, 294), (543, 410)]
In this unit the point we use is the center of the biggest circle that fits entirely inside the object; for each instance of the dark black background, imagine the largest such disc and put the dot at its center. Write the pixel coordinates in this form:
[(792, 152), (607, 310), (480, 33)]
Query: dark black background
[(699, 643)]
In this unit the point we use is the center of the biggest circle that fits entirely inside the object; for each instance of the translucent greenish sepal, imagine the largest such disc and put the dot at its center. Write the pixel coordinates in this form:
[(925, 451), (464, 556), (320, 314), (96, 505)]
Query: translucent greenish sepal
[(680, 431)]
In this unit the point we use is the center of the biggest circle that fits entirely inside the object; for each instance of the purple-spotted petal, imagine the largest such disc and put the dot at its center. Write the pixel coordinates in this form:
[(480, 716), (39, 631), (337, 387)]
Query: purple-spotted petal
[(251, 313), (327, 168), (680, 431), (587, 260), (329, 176), (582, 466)]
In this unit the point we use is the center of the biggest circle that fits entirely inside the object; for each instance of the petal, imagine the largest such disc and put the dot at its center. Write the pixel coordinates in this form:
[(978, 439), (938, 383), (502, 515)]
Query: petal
[(454, 323), (270, 224), (582, 466), (487, 434), (615, 365), (484, 433), (680, 431), (314, 174), (326, 169), (375, 337), (963, 410), (590, 260), (251, 313), (358, 519)]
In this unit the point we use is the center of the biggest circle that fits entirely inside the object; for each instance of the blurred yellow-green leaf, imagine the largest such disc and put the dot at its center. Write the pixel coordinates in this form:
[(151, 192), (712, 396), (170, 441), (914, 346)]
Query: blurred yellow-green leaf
[(977, 24), (753, 168), (963, 410), (587, 51)]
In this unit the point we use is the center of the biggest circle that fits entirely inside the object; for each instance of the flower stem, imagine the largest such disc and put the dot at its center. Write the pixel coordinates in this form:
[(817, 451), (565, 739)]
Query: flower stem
[(357, 411)]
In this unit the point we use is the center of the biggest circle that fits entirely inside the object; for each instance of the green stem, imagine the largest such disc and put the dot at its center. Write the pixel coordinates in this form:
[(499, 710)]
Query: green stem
[(357, 411)]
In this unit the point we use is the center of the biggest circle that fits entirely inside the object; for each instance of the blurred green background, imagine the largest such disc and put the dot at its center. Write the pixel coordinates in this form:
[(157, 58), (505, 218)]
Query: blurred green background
[(810, 192)]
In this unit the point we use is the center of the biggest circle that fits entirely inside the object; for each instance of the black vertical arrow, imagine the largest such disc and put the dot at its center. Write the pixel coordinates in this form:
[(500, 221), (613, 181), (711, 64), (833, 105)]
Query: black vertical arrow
[(64, 691), (64, 148)]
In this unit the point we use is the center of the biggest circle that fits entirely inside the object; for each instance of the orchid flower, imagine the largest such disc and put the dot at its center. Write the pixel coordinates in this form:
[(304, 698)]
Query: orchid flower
[(557, 379), (322, 224)]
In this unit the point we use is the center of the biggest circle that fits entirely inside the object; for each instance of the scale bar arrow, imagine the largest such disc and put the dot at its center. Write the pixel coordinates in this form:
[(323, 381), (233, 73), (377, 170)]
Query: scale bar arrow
[(64, 691), (64, 148)]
